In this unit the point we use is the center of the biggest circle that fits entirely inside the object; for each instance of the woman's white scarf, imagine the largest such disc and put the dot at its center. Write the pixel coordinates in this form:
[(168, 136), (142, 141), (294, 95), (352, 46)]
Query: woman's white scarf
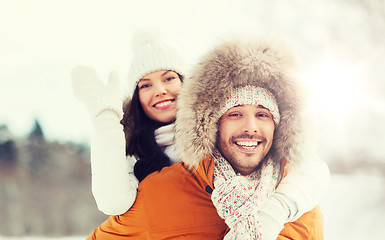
[(165, 138), (238, 198)]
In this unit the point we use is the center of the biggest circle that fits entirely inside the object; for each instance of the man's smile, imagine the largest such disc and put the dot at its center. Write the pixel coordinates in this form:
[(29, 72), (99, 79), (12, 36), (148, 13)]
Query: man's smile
[(247, 145)]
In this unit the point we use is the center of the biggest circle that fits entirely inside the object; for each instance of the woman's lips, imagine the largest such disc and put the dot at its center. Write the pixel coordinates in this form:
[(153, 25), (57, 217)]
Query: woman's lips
[(163, 104)]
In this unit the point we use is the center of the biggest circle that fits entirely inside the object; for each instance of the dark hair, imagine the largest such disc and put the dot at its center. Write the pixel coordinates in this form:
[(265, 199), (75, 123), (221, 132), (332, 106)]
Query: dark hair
[(140, 140)]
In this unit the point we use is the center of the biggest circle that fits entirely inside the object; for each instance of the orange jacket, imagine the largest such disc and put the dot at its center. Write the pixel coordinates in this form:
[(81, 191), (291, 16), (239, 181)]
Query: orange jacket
[(176, 204)]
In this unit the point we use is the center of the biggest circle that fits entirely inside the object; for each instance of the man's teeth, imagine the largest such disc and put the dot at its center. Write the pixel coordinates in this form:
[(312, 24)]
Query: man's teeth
[(247, 144), (162, 104)]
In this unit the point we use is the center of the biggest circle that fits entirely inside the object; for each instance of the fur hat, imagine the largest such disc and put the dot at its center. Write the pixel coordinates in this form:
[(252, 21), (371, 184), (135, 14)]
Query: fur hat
[(151, 54), (266, 64)]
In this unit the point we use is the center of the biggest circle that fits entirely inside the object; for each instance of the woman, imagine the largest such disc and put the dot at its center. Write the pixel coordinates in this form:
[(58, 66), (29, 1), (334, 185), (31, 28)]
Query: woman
[(157, 73), (153, 105)]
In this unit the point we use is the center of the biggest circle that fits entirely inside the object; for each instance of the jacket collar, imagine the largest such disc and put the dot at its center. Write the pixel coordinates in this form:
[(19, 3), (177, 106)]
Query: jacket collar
[(206, 170)]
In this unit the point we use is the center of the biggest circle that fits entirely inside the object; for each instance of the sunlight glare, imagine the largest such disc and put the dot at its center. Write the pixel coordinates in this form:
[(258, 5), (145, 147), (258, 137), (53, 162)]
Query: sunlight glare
[(333, 84)]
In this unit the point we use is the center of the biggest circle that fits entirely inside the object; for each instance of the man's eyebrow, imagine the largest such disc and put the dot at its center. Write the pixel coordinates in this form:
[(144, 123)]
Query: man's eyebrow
[(258, 106), (261, 106)]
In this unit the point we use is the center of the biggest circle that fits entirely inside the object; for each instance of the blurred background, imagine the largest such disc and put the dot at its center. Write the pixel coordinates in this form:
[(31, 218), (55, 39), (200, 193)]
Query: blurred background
[(45, 176)]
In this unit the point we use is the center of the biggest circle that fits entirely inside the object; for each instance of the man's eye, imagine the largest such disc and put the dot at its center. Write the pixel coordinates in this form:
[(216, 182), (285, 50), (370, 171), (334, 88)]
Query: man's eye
[(263, 115)]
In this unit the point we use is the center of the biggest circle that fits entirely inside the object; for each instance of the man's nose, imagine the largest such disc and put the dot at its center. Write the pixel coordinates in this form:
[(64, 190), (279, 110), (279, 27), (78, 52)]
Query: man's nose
[(250, 124)]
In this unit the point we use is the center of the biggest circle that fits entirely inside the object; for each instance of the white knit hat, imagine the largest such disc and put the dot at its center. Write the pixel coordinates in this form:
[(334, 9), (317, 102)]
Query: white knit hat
[(151, 54)]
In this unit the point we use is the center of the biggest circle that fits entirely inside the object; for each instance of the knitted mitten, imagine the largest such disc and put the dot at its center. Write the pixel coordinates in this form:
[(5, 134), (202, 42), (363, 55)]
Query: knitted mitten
[(273, 215), (96, 95)]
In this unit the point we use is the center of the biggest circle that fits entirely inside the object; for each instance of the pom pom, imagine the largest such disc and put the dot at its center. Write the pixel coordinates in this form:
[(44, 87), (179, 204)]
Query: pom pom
[(144, 37)]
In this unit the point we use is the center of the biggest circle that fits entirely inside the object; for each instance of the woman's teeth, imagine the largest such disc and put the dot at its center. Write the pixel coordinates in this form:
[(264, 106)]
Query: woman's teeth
[(162, 104)]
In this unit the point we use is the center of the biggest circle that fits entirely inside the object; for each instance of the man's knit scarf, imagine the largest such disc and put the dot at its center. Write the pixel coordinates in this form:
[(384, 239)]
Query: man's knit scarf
[(237, 198)]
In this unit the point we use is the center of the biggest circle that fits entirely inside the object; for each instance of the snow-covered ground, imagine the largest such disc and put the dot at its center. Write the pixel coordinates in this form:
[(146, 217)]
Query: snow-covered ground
[(353, 207)]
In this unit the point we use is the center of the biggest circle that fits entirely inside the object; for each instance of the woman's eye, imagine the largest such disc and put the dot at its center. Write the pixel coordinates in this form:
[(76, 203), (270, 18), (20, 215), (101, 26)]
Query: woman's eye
[(144, 86), (234, 115), (169, 79)]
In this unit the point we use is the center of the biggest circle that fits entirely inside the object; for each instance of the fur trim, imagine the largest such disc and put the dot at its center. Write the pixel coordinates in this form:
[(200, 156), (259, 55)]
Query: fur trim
[(237, 63)]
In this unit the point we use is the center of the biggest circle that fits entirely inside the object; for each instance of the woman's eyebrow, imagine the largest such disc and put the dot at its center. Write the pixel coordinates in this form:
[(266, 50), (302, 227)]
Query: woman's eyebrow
[(165, 72), (144, 79)]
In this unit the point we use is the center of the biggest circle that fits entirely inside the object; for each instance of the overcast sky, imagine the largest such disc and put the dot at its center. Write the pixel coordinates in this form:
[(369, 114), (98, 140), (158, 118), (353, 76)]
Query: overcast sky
[(339, 43)]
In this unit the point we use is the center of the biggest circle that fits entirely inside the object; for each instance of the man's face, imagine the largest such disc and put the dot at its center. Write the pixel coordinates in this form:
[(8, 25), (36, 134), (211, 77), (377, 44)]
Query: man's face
[(245, 136)]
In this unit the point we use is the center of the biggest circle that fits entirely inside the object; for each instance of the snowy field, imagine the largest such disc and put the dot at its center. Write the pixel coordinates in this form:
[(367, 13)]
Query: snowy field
[(354, 209)]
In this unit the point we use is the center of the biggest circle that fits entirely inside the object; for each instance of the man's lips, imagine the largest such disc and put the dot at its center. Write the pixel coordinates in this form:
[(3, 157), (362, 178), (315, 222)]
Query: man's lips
[(247, 145)]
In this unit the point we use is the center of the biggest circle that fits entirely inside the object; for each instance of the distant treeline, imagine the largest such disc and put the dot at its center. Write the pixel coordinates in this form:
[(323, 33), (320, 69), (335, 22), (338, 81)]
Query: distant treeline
[(45, 187)]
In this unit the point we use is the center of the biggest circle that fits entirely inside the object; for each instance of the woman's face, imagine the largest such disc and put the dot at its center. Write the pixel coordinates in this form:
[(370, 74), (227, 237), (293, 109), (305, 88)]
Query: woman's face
[(158, 92)]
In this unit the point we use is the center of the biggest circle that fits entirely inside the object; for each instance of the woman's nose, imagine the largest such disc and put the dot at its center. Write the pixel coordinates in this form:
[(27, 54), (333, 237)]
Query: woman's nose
[(160, 90)]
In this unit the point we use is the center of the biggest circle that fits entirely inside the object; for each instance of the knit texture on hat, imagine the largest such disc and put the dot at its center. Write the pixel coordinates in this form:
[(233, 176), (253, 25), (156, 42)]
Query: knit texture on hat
[(151, 54), (252, 95)]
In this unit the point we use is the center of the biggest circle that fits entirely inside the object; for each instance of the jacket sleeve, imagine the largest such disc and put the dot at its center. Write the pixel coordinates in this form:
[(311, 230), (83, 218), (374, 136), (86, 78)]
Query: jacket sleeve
[(309, 226), (298, 193), (303, 187), (114, 185)]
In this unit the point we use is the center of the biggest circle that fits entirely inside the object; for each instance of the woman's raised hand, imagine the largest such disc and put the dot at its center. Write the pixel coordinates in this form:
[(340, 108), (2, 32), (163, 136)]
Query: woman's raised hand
[(96, 95)]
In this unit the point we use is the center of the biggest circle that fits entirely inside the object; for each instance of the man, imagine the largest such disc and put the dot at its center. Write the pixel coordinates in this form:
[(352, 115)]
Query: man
[(239, 125)]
